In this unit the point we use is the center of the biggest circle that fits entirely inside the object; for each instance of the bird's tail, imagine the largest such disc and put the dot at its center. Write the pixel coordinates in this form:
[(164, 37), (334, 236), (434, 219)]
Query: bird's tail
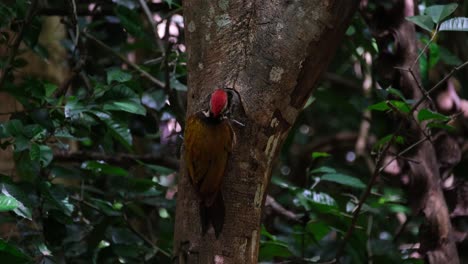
[(213, 214)]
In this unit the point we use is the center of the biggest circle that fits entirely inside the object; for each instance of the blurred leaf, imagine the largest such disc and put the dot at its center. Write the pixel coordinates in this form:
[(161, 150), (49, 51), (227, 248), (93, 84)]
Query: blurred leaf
[(434, 54), (424, 22), (402, 106), (177, 85), (130, 21), (101, 167), (323, 169), (50, 88), (426, 114), (380, 106), (46, 155), (316, 155), (42, 117), (386, 139), (12, 254), (14, 127), (343, 180), (118, 75), (35, 152), (448, 57), (271, 249), (119, 131), (57, 198), (396, 92), (131, 105), (8, 203), (455, 24), (318, 229), (440, 12), (24, 204), (438, 124)]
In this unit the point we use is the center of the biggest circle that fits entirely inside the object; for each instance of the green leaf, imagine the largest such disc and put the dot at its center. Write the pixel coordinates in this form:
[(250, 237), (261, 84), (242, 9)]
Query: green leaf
[(118, 75), (42, 117), (131, 106), (401, 106), (131, 21), (56, 197), (439, 12), (318, 229), (448, 57), (434, 54), (323, 169), (455, 24), (35, 152), (24, 203), (14, 127), (438, 124), (104, 168), (12, 254), (426, 114), (8, 203), (386, 139), (316, 155), (50, 89), (119, 130), (177, 85), (424, 22), (47, 155), (396, 92), (343, 180), (274, 249), (380, 106)]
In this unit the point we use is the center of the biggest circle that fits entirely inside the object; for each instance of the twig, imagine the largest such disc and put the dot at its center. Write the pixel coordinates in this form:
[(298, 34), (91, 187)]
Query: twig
[(125, 60), (121, 159), (369, 245), (17, 42), (154, 27), (74, 21), (144, 238), (278, 208), (425, 47)]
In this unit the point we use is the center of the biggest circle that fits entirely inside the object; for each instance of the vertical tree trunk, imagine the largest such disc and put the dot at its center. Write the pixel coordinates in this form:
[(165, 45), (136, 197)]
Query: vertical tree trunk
[(272, 53), (425, 194)]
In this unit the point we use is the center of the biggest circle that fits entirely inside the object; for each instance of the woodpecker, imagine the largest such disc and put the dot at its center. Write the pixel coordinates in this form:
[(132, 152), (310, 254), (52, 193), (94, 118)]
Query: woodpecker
[(208, 143)]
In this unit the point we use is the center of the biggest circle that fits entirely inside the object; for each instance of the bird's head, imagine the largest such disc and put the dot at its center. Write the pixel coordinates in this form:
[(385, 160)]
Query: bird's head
[(219, 102)]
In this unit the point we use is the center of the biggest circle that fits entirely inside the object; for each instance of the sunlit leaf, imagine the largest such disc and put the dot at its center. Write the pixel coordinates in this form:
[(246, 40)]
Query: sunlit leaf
[(8, 203), (455, 24)]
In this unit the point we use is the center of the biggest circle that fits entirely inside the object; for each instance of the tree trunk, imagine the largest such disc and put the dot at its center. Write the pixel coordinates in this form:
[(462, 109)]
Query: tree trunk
[(272, 53), (424, 191)]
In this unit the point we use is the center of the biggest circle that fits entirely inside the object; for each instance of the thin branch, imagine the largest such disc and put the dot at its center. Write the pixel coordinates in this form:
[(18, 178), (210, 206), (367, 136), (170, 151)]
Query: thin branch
[(279, 209), (16, 43), (144, 73), (121, 159), (452, 72), (154, 27), (144, 238)]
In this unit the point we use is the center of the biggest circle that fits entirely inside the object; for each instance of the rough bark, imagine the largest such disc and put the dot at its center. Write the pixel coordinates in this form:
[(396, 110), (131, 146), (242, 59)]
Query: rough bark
[(272, 53), (424, 187)]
